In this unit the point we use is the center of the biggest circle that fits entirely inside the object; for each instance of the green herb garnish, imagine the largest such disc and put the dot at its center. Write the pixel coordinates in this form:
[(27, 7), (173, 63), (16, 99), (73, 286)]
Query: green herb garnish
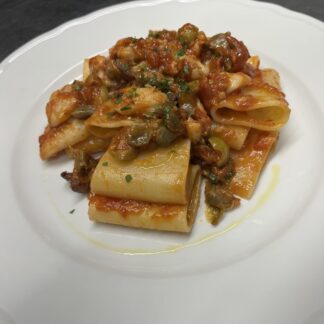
[(124, 67), (186, 69), (78, 87), (163, 85), (118, 98), (72, 211), (212, 177), (105, 163), (181, 52), (128, 178), (184, 87), (125, 108), (132, 93)]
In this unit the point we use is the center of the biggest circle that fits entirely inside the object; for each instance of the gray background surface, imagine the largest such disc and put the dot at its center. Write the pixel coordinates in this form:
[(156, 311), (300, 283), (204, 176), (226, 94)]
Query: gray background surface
[(22, 20)]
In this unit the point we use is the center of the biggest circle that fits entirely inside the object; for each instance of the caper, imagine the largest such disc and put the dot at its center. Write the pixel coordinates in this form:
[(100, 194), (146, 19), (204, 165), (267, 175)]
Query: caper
[(163, 137), (83, 111), (218, 197), (187, 34), (218, 43), (120, 149), (172, 120), (139, 135), (220, 146)]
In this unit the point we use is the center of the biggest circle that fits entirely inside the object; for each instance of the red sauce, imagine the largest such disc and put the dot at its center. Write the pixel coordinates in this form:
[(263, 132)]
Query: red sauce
[(212, 89), (129, 207)]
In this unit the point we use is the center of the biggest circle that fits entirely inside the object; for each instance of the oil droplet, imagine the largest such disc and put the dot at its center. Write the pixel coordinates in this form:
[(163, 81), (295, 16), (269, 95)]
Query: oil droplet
[(177, 247)]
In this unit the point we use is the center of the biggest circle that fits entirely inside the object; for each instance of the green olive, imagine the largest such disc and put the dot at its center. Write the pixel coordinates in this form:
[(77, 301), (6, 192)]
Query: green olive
[(220, 146)]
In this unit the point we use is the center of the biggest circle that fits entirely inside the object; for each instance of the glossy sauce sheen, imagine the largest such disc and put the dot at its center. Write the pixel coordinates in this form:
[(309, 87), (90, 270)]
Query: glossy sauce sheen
[(126, 207), (261, 201)]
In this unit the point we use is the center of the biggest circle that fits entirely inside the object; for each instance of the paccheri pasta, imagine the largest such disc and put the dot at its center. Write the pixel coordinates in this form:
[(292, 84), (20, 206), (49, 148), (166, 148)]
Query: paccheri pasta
[(162, 111)]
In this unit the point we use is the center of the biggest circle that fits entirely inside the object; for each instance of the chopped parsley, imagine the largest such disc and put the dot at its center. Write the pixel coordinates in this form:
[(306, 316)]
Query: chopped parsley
[(184, 87), (128, 178), (78, 87), (118, 98), (72, 211), (181, 52), (105, 163), (124, 67), (186, 69), (125, 108), (132, 93), (163, 85), (212, 177)]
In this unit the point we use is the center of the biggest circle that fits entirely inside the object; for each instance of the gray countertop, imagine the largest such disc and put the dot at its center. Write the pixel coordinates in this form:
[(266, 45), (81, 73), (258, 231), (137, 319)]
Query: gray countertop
[(22, 20)]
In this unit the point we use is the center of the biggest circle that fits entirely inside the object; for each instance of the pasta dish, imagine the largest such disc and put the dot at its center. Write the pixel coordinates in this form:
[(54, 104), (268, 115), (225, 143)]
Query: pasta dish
[(151, 119)]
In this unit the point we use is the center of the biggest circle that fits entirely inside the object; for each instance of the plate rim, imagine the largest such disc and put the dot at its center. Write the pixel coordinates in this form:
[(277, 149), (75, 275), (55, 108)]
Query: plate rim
[(59, 31), (56, 31), (86, 269)]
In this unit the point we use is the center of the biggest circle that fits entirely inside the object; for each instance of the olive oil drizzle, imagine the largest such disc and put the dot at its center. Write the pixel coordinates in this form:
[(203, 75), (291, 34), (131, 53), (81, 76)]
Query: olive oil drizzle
[(177, 247)]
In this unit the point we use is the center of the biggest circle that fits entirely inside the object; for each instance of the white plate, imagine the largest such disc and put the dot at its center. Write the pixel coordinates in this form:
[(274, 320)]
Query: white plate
[(263, 264)]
